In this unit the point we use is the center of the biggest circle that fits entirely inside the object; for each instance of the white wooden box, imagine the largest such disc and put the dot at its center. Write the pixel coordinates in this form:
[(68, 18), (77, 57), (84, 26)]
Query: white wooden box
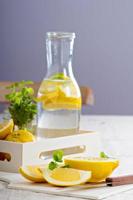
[(87, 143)]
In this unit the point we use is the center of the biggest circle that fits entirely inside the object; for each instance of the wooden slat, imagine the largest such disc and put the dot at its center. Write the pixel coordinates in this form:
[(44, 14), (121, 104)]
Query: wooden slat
[(86, 92), (87, 95), (4, 91)]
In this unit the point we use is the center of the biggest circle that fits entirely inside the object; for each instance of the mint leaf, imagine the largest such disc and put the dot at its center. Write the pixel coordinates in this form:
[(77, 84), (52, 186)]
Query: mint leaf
[(58, 155), (52, 165), (103, 155)]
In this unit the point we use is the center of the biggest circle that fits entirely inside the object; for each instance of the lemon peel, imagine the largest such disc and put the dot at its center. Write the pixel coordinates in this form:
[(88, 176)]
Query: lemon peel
[(32, 173), (6, 128), (101, 168), (20, 136)]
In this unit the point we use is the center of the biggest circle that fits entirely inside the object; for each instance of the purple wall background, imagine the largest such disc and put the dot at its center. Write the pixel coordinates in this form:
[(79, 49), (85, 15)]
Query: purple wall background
[(103, 56)]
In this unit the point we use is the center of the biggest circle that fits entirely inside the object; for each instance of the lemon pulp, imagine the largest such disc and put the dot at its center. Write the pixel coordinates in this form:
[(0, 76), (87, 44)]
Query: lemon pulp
[(63, 174), (66, 176)]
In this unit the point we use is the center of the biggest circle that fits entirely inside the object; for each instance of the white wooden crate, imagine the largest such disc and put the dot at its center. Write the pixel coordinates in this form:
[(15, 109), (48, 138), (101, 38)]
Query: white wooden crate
[(87, 143)]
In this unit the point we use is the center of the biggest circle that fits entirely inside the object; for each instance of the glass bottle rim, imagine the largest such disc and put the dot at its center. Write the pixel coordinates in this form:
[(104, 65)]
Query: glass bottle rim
[(59, 35)]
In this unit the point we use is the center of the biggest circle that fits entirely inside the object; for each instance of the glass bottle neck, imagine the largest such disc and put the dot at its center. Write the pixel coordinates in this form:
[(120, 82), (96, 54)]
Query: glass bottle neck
[(59, 55)]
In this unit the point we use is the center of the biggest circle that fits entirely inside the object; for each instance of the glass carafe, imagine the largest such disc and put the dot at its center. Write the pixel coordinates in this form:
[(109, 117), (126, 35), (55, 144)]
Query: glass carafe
[(59, 98)]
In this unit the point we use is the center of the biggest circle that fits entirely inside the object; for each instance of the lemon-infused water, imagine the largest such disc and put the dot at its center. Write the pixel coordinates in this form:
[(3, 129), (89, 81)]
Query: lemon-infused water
[(59, 108), (59, 99)]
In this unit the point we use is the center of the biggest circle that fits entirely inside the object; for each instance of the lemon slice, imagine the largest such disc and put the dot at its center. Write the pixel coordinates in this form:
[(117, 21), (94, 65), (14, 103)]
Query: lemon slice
[(32, 173), (101, 168), (57, 99), (20, 136), (60, 76), (6, 128), (66, 176)]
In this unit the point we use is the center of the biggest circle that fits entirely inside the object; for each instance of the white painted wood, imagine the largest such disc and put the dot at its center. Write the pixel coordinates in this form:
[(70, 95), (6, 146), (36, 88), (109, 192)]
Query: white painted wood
[(29, 153), (117, 135), (15, 151)]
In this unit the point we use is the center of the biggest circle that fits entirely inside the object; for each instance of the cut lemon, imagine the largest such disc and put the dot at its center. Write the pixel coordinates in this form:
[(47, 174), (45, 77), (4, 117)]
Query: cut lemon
[(32, 173), (101, 168), (20, 136), (6, 128), (66, 176), (57, 99)]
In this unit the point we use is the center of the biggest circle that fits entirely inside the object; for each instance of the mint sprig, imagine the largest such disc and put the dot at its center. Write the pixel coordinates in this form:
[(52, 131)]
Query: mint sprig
[(103, 155), (57, 158), (23, 106), (52, 165), (58, 155)]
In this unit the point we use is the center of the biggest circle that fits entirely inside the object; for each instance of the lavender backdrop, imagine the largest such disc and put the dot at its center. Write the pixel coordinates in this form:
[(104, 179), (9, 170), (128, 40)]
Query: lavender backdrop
[(103, 56)]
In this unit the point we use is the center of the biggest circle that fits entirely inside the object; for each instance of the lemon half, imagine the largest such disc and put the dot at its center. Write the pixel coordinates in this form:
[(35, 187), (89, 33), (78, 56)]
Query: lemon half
[(101, 168), (21, 136), (66, 176), (32, 173), (6, 128)]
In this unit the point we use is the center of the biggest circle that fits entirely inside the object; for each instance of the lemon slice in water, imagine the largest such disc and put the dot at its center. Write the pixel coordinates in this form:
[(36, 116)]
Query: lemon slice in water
[(59, 76)]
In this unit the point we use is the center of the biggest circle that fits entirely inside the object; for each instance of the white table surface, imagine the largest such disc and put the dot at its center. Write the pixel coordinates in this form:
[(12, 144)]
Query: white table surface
[(117, 138)]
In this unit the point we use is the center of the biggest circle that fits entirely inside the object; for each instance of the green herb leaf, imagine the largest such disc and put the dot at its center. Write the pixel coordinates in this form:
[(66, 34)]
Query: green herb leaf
[(22, 106), (52, 165), (58, 155), (103, 155)]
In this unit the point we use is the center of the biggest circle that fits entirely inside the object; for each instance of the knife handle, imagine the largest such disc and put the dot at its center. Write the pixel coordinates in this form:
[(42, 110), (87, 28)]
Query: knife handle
[(120, 180)]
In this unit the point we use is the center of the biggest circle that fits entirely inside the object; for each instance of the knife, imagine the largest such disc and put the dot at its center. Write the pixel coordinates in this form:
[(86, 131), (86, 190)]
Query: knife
[(119, 180), (112, 181)]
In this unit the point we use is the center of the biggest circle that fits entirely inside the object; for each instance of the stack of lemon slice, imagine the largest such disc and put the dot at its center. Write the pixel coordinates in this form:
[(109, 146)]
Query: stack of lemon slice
[(59, 92), (81, 170), (58, 176)]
